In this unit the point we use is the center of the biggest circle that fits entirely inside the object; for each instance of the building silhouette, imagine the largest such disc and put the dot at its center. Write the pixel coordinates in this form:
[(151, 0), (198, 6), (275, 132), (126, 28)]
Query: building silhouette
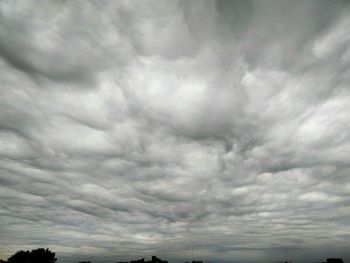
[(142, 260)]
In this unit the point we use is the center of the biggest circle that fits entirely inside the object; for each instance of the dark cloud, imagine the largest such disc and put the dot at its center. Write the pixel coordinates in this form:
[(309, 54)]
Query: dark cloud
[(139, 128)]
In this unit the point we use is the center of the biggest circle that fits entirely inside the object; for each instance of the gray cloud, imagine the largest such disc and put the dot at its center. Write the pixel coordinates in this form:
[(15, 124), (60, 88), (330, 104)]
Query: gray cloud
[(139, 128)]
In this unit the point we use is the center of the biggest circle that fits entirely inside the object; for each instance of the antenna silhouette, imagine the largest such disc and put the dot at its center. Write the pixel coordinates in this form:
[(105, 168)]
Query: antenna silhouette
[(192, 251)]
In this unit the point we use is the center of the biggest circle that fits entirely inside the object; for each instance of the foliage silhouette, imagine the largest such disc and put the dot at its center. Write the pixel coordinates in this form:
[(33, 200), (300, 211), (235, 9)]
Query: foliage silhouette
[(39, 255), (18, 257)]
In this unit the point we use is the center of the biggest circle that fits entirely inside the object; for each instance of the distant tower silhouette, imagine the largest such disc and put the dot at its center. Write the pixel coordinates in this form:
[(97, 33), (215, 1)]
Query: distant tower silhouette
[(192, 252)]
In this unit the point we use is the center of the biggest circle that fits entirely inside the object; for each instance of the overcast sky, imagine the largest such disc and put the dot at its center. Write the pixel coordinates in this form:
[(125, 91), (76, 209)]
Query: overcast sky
[(134, 128)]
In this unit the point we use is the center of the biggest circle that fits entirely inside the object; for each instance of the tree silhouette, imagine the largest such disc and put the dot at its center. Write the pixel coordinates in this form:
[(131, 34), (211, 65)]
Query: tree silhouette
[(39, 255), (19, 257)]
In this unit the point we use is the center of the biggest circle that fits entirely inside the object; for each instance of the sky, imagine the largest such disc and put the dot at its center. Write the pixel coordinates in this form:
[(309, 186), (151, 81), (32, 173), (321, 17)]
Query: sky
[(212, 130)]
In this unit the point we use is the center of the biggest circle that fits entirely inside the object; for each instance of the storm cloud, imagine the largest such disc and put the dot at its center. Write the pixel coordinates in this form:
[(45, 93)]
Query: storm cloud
[(132, 128)]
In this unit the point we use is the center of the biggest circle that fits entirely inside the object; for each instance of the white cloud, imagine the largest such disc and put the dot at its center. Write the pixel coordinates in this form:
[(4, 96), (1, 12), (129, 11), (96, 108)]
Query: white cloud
[(148, 128)]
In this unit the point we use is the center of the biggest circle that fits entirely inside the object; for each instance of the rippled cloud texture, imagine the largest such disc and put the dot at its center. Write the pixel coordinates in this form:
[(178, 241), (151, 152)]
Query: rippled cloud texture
[(154, 127)]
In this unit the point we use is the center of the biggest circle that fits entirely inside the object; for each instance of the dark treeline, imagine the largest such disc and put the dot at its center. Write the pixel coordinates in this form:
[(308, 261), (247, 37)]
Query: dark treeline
[(42, 255), (39, 255)]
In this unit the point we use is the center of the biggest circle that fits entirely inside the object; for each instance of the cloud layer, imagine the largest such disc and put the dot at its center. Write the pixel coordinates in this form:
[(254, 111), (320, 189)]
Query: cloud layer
[(162, 127)]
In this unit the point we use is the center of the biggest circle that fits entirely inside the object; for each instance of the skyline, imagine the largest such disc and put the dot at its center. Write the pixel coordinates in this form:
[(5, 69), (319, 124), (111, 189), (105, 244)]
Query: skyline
[(219, 128), (47, 256)]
